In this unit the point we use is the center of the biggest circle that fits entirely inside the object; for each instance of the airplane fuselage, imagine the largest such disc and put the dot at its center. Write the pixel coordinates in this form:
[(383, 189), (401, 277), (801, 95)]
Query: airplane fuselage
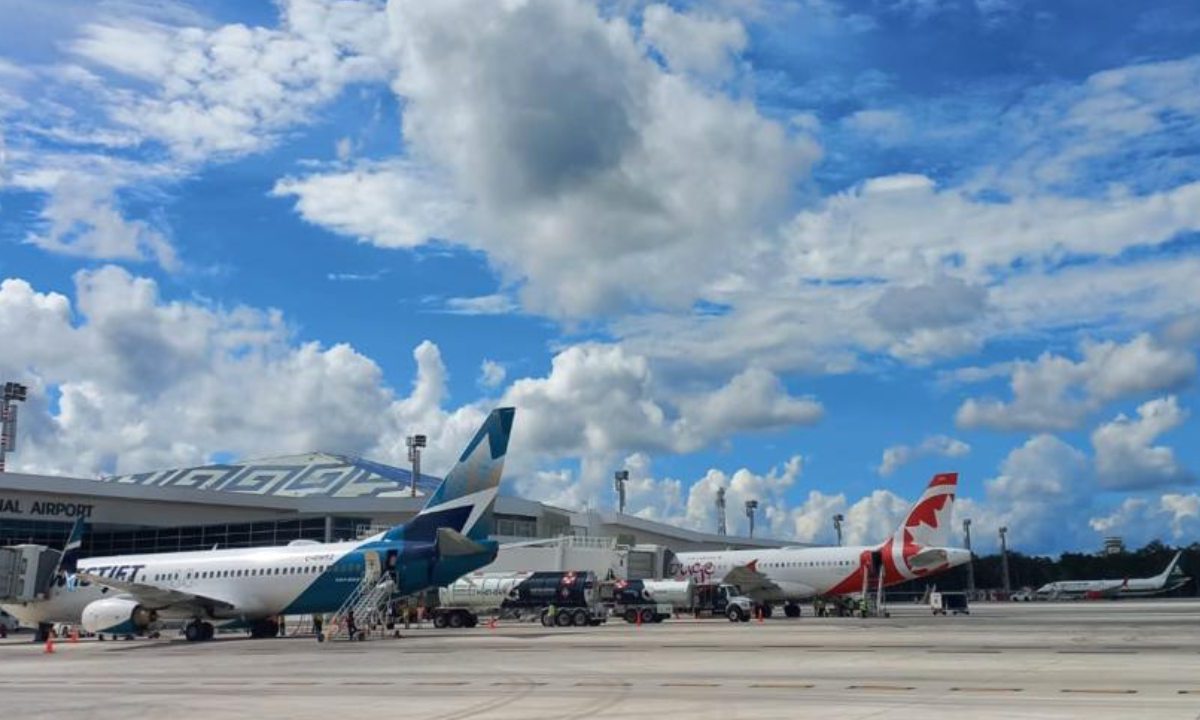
[(801, 573), (253, 583)]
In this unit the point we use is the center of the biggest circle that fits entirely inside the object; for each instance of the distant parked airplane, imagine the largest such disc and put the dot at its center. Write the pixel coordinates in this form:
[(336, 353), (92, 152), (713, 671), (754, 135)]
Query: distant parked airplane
[(1165, 581)]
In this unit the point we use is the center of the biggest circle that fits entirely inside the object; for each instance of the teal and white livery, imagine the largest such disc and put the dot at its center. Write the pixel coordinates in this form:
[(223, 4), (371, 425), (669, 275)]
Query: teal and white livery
[(132, 593)]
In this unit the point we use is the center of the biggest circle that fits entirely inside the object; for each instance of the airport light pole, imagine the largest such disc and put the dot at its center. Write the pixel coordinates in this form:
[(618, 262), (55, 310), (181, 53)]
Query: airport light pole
[(621, 477), (415, 443), (720, 511), (1004, 559), (970, 558), (13, 393), (751, 506), (837, 526)]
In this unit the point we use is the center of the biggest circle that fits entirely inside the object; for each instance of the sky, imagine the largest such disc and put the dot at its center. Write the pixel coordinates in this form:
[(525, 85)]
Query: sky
[(813, 251)]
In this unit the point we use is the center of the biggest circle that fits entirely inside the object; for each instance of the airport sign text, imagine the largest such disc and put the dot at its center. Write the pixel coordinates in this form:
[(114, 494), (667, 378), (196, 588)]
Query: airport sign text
[(45, 508)]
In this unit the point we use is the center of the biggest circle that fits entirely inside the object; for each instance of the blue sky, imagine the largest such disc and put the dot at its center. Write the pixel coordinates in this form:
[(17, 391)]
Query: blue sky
[(812, 251)]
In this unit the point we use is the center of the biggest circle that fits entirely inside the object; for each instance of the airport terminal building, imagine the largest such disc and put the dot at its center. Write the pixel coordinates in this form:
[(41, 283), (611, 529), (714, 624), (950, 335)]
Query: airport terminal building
[(315, 496)]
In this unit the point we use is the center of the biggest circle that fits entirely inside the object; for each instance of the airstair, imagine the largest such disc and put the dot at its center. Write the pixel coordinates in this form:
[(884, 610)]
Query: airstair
[(368, 603), (872, 587)]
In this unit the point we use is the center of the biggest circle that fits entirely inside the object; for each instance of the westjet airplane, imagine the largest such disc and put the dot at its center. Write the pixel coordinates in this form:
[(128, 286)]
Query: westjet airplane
[(1167, 580), (918, 548), (132, 593)]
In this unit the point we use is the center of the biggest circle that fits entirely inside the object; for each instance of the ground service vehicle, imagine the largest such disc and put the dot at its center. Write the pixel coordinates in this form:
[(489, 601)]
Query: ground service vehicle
[(649, 600), (942, 603), (723, 599), (559, 599)]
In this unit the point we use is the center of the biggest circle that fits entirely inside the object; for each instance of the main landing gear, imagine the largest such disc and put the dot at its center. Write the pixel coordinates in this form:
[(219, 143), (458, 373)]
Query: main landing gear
[(264, 629), (791, 610), (198, 631)]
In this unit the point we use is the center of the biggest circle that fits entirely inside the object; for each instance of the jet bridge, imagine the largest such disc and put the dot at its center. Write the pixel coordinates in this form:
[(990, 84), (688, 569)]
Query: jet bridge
[(26, 572)]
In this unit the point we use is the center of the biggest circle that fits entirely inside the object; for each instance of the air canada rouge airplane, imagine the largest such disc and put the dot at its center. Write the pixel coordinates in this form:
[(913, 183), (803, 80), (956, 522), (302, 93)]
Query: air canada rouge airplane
[(131, 593), (918, 548)]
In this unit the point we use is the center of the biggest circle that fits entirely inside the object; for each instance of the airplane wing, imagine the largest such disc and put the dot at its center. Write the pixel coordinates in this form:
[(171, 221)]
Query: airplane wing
[(750, 580), (159, 598)]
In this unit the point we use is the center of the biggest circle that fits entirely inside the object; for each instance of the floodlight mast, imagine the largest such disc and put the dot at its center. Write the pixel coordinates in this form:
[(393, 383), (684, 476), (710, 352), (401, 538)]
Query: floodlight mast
[(415, 443), (971, 559), (720, 511), (751, 506), (620, 477), (13, 393), (1004, 560)]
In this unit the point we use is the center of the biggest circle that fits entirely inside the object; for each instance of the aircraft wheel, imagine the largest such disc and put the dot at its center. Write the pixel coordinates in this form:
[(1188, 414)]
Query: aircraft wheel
[(735, 614), (791, 610), (207, 631), (193, 632), (581, 617), (766, 611)]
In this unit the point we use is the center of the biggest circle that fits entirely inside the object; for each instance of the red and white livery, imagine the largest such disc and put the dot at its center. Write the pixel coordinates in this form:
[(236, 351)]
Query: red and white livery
[(920, 547)]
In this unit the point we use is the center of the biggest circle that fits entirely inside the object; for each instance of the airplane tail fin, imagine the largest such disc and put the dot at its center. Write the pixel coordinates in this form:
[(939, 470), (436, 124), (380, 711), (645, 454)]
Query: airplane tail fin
[(1165, 575), (929, 521), (464, 501), (69, 559)]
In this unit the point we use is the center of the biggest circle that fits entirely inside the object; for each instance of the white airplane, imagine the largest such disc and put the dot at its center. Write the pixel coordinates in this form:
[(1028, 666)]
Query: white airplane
[(1166, 581), (918, 548), (133, 593)]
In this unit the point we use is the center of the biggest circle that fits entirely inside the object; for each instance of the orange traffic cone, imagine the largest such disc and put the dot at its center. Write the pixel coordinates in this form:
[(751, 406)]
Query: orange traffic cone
[(760, 615), (639, 619), (492, 624), (49, 650), (74, 635)]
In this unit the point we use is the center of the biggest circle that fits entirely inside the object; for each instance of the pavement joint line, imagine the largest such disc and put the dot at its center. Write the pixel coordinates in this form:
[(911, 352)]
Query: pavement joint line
[(1097, 652), (688, 684), (1188, 692), (442, 682), (790, 686), (366, 682), (986, 689), (1100, 691), (292, 682), (880, 687), (610, 684), (519, 684), (965, 652)]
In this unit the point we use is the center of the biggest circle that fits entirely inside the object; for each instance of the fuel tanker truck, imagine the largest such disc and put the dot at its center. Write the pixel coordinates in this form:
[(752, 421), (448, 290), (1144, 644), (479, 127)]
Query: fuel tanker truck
[(558, 599), (650, 601)]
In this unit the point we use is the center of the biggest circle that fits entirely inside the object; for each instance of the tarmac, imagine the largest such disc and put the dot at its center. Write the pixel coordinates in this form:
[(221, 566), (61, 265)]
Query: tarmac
[(1097, 660)]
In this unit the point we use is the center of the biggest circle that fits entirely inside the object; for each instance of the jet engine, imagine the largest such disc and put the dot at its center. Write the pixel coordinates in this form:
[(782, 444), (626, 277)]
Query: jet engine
[(119, 616)]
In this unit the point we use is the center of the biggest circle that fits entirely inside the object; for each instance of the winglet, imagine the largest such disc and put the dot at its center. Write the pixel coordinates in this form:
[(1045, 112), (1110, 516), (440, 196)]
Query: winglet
[(69, 559)]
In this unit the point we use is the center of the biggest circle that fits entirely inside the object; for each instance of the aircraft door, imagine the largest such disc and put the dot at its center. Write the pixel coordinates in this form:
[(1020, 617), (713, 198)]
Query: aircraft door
[(392, 565), (373, 567)]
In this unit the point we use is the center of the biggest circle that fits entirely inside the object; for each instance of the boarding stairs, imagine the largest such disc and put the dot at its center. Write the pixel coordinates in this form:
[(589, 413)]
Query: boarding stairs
[(872, 591), (368, 603)]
